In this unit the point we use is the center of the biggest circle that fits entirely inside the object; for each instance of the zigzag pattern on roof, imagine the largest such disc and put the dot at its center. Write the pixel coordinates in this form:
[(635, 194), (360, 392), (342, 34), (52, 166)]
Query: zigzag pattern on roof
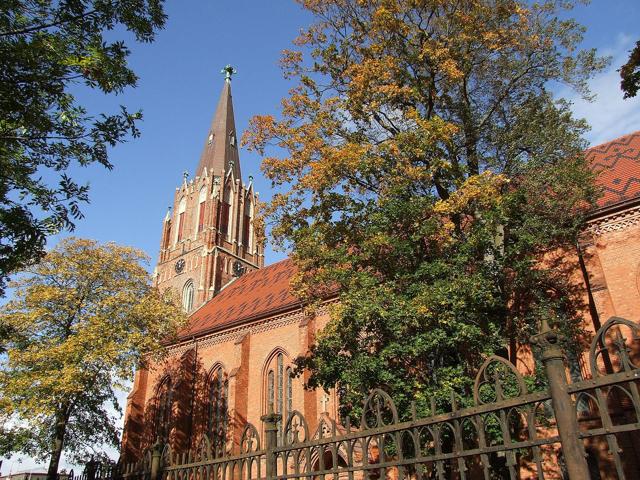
[(618, 166)]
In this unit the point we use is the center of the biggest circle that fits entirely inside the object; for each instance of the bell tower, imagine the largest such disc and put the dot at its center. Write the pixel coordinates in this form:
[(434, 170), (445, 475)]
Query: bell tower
[(208, 237)]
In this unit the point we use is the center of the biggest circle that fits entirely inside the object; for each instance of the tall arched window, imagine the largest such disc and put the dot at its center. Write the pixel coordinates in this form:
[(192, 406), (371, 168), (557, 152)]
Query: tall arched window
[(167, 234), (217, 420), (202, 198), (164, 408), (226, 213), (187, 296), (247, 229), (279, 389), (182, 207)]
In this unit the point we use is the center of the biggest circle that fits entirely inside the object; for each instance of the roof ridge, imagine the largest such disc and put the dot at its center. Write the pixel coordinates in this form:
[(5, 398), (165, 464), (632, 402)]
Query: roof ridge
[(613, 140)]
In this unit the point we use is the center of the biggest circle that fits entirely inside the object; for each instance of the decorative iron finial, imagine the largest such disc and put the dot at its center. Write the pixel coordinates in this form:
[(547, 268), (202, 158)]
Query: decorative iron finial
[(548, 339), (228, 72), (185, 175)]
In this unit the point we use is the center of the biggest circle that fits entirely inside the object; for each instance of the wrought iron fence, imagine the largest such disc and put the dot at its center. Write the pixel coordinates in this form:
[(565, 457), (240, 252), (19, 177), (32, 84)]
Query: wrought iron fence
[(580, 430)]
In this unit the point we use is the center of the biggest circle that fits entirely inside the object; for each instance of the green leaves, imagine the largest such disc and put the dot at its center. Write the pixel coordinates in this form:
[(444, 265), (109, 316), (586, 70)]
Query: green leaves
[(80, 323), (46, 49), (630, 73), (433, 182)]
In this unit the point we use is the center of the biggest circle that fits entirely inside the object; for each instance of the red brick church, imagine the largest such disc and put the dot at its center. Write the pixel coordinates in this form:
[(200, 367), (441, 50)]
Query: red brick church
[(233, 363)]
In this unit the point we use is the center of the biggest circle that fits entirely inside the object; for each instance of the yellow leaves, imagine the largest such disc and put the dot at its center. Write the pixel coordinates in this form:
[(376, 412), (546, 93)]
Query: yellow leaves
[(439, 53), (477, 193), (384, 17), (87, 311), (483, 190), (261, 129), (393, 60), (290, 62), (374, 83), (367, 117), (422, 309), (259, 226), (435, 128), (334, 164)]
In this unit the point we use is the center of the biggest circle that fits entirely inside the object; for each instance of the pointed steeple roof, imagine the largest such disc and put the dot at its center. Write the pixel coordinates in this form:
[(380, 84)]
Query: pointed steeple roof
[(220, 152)]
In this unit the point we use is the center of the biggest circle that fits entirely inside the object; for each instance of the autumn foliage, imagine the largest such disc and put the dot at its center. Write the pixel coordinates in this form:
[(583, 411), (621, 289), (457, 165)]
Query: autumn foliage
[(80, 322), (427, 168)]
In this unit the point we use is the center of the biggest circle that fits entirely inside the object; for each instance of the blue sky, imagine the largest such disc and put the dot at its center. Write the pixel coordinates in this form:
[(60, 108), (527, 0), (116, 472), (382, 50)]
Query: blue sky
[(178, 90), (179, 87), (180, 83)]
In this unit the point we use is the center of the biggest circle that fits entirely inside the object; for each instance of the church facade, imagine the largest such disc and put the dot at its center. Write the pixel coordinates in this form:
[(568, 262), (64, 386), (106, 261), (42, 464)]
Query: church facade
[(233, 363)]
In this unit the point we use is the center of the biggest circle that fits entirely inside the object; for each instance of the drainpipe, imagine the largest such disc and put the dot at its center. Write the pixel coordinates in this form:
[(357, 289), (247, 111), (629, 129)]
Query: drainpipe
[(593, 310)]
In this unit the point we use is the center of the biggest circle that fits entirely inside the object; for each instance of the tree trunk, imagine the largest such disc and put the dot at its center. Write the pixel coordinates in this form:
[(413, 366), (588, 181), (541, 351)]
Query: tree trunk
[(57, 442)]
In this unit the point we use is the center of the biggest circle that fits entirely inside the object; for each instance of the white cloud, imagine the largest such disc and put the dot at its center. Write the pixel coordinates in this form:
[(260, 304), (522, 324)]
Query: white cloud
[(609, 115)]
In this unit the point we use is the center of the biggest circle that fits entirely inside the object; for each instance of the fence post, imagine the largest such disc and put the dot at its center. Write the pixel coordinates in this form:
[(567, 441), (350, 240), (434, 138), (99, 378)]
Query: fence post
[(271, 421), (563, 407), (156, 459), (90, 469)]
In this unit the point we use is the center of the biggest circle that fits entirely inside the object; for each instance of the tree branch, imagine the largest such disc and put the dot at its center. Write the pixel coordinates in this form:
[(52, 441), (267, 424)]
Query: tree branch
[(44, 26)]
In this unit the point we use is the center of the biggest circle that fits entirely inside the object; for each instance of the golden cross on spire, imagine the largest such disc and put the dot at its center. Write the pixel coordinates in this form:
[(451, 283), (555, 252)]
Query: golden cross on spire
[(228, 72)]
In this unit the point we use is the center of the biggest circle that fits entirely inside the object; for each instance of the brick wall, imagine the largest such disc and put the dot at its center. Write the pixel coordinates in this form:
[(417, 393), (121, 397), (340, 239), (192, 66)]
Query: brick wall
[(208, 252), (243, 353)]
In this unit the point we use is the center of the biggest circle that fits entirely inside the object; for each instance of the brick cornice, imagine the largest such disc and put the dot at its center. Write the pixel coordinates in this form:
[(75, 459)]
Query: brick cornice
[(614, 222), (235, 334)]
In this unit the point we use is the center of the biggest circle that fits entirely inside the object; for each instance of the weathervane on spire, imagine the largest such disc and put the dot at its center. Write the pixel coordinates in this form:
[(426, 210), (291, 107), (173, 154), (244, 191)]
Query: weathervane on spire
[(228, 72)]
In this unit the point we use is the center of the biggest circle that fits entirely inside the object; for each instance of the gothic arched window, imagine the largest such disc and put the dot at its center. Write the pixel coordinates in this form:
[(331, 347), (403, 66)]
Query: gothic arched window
[(182, 207), (279, 389), (247, 230), (202, 198), (164, 407), (218, 410), (225, 210), (187, 296)]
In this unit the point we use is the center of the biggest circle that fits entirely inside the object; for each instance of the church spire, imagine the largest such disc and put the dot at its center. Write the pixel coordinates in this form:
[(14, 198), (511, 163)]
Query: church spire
[(209, 237), (220, 152)]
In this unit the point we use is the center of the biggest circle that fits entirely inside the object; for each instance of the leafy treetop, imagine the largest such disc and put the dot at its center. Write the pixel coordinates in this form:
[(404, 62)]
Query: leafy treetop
[(82, 320), (630, 73), (49, 50), (427, 173)]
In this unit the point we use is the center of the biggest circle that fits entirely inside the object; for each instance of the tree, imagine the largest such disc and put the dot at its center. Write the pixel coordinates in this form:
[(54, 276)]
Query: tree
[(428, 173), (630, 73), (50, 51), (84, 317)]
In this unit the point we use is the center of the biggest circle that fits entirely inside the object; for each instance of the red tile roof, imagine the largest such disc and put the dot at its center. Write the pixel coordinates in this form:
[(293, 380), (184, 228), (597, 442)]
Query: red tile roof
[(266, 291), (618, 165), (257, 294)]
